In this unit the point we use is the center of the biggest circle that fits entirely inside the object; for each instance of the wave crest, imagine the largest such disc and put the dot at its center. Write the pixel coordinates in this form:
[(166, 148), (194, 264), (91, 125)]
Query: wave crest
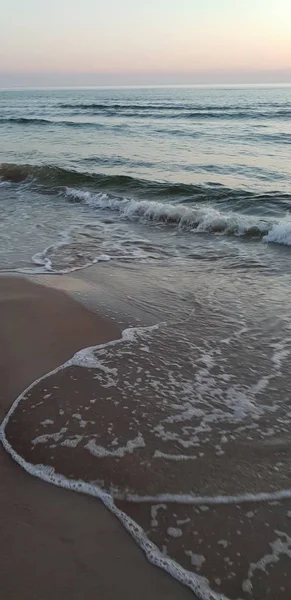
[(199, 219)]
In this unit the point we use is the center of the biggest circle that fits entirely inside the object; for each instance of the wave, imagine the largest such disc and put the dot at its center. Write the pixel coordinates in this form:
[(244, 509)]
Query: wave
[(233, 115), (57, 176), (282, 138), (274, 138), (203, 219), (36, 121), (176, 111), (154, 107), (25, 121), (118, 161)]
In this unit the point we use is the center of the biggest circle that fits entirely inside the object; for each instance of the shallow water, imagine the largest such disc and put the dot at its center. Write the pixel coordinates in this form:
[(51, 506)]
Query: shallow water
[(184, 422)]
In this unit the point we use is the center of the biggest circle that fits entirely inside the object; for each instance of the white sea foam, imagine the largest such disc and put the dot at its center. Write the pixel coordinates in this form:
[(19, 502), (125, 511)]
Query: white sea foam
[(223, 543), (55, 437), (197, 560), (198, 584), (42, 259), (281, 352), (280, 546), (199, 218), (47, 422), (174, 532), (174, 457), (280, 233), (195, 500), (86, 357), (120, 452), (72, 442), (46, 264)]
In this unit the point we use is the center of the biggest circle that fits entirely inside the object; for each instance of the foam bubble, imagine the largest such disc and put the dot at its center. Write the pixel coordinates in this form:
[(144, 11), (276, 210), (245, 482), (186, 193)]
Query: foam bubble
[(174, 532), (197, 560), (47, 422), (223, 543)]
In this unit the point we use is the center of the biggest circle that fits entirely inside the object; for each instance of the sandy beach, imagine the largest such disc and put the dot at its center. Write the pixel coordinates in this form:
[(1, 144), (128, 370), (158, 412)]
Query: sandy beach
[(54, 543)]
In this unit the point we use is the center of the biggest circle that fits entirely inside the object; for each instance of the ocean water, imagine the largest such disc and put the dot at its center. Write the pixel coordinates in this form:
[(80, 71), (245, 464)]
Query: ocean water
[(175, 203)]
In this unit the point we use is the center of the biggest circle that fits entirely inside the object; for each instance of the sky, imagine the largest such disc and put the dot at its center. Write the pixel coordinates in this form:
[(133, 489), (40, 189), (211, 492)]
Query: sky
[(141, 42)]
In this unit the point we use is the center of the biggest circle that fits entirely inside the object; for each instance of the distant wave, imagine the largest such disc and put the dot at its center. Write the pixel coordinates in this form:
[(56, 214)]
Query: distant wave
[(274, 138), (204, 219), (174, 111), (149, 107), (175, 116), (24, 120), (235, 115), (36, 121)]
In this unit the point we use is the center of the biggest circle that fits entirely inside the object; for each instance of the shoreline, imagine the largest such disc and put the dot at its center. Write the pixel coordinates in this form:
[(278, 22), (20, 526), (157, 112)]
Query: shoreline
[(57, 543)]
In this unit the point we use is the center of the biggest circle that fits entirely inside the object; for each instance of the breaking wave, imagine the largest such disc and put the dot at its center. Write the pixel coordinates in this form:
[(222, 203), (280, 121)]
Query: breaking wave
[(201, 219)]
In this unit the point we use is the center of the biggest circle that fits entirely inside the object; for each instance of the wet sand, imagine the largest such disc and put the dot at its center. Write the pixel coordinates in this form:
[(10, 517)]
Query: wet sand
[(54, 543)]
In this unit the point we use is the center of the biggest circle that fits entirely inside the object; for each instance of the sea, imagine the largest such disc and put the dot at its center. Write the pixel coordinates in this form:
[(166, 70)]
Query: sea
[(168, 210)]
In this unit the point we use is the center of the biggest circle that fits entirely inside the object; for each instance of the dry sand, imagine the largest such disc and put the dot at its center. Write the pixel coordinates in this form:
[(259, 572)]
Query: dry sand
[(56, 544)]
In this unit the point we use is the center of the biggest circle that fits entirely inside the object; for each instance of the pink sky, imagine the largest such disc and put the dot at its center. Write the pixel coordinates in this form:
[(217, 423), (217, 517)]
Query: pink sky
[(145, 38)]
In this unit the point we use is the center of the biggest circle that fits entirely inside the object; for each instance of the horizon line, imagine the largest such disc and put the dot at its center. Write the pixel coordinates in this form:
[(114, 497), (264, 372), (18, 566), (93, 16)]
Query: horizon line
[(147, 85)]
